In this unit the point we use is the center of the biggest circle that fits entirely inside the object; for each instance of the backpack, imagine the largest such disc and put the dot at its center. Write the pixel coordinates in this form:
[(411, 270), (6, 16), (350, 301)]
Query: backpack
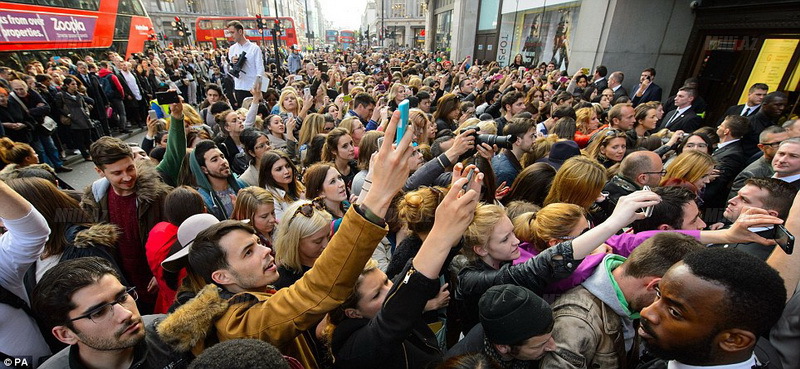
[(108, 87)]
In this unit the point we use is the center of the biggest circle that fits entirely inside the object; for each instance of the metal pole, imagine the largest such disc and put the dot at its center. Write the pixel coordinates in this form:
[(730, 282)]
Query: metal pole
[(275, 39), (383, 21), (308, 31)]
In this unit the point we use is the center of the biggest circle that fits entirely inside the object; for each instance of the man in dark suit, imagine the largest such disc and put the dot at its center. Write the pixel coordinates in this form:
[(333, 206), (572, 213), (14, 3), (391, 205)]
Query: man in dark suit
[(771, 110), (683, 118), (768, 194), (646, 90), (615, 84), (600, 82), (730, 159), (754, 98), (699, 104), (94, 91)]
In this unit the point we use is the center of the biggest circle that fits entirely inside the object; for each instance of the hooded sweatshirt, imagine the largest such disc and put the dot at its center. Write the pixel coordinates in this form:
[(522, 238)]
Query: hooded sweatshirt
[(213, 202), (601, 285)]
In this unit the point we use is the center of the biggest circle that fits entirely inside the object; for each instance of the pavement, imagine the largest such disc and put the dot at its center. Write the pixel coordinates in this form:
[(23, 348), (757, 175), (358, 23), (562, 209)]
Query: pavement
[(83, 173)]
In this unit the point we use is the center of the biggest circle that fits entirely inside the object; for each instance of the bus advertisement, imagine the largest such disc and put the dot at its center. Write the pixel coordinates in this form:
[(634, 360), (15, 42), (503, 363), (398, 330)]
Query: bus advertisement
[(210, 31), (41, 29), (347, 38)]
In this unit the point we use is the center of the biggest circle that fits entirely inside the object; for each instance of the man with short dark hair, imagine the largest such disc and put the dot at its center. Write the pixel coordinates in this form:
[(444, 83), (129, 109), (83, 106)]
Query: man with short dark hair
[(594, 322), (711, 308), (599, 79), (730, 159), (364, 109), (86, 307), (771, 110), (217, 184), (468, 89), (615, 84), (677, 210), (512, 103), (131, 197), (772, 195), (683, 118), (755, 95), (424, 101), (769, 140), (646, 90), (792, 127), (640, 168), (253, 63), (507, 164)]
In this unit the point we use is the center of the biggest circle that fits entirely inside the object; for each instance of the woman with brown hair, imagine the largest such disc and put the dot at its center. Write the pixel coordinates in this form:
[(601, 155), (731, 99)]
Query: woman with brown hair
[(257, 205), (279, 176), (340, 151), (695, 167), (447, 111), (16, 154), (532, 184), (579, 182), (72, 232), (324, 182)]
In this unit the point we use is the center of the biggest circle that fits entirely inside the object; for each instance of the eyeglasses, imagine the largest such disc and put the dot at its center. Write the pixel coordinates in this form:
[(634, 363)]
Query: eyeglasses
[(773, 145), (663, 172), (308, 209), (105, 311), (614, 132)]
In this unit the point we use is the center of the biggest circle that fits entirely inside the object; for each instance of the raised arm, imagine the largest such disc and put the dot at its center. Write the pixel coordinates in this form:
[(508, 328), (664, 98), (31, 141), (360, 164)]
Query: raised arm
[(789, 265)]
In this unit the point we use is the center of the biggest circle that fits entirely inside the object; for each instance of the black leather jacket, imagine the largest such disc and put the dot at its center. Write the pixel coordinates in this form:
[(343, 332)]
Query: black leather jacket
[(535, 274)]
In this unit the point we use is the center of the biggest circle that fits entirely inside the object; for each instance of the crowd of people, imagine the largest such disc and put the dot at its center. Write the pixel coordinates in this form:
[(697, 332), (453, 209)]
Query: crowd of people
[(275, 218)]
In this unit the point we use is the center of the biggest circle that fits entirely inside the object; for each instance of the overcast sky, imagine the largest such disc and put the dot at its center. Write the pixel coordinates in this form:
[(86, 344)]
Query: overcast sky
[(344, 14)]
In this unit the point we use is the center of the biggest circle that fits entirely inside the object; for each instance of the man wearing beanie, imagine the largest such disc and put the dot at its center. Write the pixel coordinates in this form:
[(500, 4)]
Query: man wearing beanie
[(594, 321), (515, 328)]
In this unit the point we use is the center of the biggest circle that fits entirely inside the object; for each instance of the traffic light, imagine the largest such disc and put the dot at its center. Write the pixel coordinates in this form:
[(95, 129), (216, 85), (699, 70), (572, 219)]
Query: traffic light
[(180, 28), (276, 27), (260, 22)]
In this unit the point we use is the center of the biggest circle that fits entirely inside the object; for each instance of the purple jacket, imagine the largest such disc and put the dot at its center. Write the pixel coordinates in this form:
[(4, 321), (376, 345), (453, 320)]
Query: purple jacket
[(621, 244)]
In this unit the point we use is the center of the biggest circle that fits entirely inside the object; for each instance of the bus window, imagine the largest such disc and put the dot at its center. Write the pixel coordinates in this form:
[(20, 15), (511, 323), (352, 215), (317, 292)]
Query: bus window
[(132, 7), (205, 24), (218, 24), (122, 26), (205, 44)]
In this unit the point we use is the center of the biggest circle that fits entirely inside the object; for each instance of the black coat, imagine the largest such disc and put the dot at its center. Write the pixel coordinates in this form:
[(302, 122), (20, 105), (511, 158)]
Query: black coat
[(652, 93), (398, 336), (14, 113), (688, 122), (737, 110), (730, 162), (758, 122)]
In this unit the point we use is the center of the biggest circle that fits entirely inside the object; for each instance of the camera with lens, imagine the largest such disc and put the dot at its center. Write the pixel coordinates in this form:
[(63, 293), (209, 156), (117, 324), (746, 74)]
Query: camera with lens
[(236, 68), (502, 142)]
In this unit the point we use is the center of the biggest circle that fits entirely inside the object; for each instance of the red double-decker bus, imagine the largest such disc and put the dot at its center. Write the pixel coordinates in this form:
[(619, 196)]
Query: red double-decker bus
[(347, 38), (210, 31), (41, 29)]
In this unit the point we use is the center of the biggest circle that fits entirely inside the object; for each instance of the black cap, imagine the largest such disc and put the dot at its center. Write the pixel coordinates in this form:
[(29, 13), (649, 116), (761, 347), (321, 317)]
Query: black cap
[(512, 314)]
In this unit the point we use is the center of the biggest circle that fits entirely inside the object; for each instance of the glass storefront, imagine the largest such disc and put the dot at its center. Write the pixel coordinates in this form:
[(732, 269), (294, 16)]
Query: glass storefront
[(444, 22)]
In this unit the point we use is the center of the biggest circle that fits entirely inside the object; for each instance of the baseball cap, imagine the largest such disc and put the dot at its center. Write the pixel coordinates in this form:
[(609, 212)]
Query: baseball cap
[(187, 232)]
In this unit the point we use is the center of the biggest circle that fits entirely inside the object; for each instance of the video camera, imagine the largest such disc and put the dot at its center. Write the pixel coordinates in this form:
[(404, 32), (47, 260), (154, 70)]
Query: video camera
[(503, 142), (236, 69)]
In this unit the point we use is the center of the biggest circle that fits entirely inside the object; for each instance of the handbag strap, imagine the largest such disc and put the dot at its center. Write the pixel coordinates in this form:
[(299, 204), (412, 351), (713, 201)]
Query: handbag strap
[(24, 107)]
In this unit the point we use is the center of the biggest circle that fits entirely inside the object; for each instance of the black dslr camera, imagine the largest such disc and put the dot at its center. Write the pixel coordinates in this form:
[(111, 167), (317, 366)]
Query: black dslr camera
[(236, 69), (503, 142)]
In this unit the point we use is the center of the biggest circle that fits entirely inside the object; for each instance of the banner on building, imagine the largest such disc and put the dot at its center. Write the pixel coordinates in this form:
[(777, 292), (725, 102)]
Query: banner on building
[(540, 35)]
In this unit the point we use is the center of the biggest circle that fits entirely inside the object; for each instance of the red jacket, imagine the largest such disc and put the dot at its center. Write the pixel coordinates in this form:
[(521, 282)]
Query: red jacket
[(162, 237), (104, 72)]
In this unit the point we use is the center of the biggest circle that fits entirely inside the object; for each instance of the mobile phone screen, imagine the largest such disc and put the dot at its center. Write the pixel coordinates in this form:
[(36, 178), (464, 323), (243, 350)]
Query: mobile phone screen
[(401, 127), (167, 97)]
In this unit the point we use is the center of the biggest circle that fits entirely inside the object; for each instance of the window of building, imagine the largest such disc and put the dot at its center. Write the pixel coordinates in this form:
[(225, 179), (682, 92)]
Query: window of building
[(443, 30), (487, 19), (166, 5)]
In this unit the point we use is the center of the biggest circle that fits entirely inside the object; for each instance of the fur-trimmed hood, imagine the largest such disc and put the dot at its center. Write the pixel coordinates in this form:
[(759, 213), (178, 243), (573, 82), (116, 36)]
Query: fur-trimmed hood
[(149, 187), (192, 322), (98, 234)]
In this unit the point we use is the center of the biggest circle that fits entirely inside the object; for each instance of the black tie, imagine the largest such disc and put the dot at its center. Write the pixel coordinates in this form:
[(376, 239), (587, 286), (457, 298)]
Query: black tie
[(746, 112)]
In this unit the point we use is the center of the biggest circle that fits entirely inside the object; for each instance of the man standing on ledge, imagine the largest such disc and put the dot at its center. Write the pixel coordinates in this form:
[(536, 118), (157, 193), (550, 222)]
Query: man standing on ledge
[(253, 65)]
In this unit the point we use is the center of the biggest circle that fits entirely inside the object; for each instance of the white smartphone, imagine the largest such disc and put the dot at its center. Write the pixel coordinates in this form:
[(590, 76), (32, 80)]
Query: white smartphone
[(264, 83), (152, 114), (307, 91)]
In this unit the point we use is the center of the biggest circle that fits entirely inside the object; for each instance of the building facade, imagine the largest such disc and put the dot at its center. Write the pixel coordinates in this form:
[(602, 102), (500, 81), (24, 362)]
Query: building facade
[(396, 22)]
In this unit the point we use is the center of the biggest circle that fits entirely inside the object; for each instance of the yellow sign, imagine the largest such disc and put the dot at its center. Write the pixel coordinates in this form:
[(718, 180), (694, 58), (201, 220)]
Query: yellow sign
[(773, 59)]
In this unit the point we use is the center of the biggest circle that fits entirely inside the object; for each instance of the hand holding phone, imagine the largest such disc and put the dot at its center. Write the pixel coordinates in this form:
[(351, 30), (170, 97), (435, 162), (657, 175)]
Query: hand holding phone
[(784, 239), (167, 97), (152, 114), (648, 211)]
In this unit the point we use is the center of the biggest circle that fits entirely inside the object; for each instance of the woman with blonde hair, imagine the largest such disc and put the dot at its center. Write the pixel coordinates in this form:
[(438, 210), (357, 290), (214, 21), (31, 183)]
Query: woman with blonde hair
[(587, 123), (290, 103), (695, 167), (302, 235), (424, 128), (257, 205), (608, 147), (550, 226), (579, 181)]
